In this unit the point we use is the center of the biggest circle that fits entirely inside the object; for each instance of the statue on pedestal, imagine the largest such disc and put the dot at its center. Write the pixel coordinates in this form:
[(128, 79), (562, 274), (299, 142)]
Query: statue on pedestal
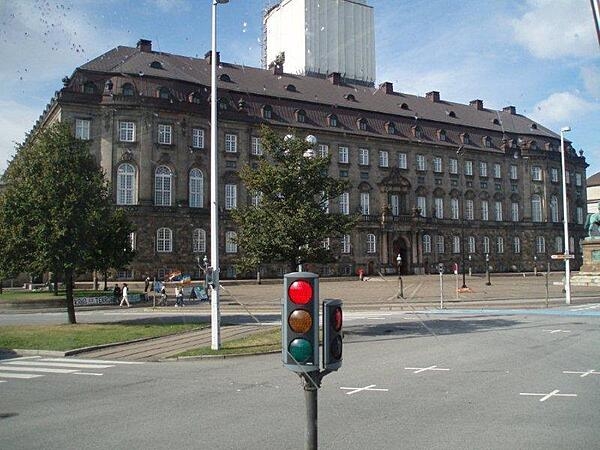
[(592, 225)]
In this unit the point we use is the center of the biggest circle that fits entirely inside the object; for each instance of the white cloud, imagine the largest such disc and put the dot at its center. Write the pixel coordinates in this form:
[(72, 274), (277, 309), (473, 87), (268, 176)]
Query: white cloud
[(591, 81), (13, 127), (562, 108), (556, 28)]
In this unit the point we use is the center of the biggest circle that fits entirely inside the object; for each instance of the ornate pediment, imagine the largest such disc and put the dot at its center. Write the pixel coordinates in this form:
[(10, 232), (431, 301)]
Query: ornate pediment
[(395, 181)]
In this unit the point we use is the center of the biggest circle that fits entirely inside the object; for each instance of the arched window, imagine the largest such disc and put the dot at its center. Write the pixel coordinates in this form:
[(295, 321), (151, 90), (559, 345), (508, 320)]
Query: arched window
[(536, 208), (162, 186), (128, 90), (540, 244), (558, 244), (371, 243), (164, 93), (164, 240), (196, 189), (199, 241), (471, 244), (126, 185), (486, 244), (426, 243), (554, 208)]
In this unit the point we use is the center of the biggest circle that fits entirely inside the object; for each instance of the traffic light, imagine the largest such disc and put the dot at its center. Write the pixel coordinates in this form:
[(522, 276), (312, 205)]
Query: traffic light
[(300, 321), (332, 334)]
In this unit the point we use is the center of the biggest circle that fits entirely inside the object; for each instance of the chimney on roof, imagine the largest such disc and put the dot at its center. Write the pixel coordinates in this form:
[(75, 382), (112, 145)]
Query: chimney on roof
[(335, 78), (387, 87), (144, 45), (510, 109), (477, 104), (208, 57), (433, 96), (276, 68)]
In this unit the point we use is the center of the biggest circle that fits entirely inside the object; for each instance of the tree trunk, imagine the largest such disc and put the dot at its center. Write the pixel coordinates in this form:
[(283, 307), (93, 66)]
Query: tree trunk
[(95, 280), (105, 274), (70, 304)]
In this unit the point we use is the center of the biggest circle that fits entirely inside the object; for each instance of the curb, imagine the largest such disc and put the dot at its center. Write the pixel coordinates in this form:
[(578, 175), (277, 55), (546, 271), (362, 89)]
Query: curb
[(201, 357)]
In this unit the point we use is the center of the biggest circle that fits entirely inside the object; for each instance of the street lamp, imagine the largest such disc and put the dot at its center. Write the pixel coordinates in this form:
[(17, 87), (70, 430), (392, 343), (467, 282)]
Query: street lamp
[(487, 269), (563, 130), (215, 314), (399, 267)]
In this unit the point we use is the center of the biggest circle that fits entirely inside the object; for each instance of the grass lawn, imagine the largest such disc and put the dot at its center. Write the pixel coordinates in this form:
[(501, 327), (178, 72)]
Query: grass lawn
[(68, 337), (265, 341)]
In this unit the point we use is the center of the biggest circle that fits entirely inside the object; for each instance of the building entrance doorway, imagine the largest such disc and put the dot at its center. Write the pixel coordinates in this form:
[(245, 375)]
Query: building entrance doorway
[(400, 248)]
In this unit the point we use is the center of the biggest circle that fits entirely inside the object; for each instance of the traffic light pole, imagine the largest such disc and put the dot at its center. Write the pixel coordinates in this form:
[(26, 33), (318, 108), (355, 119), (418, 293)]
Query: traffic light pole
[(312, 383)]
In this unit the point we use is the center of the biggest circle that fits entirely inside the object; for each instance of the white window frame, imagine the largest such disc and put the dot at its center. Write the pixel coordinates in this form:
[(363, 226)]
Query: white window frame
[(345, 244), (483, 169), (453, 166), (553, 209), (126, 184), (514, 172), (230, 196), (230, 242), (163, 186), (343, 154), (164, 240), (499, 244), (498, 211), (256, 147), (422, 204), (554, 175), (363, 156), (516, 245), (371, 243), (536, 208), (230, 143), (454, 209), (471, 245), (426, 243), (536, 173), (344, 203), (455, 244), (486, 245), (421, 163), (196, 189), (497, 170), (437, 164), (323, 151), (82, 129), (384, 158), (540, 244), (199, 240), (126, 131), (438, 203), (439, 244), (365, 203), (197, 138), (514, 211), (485, 210), (469, 167), (395, 204), (402, 160), (579, 215), (469, 209), (165, 134)]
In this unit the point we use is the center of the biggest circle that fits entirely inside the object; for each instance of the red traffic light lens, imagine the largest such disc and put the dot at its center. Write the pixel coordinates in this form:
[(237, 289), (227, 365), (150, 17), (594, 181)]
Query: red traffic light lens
[(300, 292), (336, 319), (300, 321)]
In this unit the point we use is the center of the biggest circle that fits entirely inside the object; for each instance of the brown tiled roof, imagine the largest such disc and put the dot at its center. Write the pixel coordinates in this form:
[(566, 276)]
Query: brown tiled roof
[(594, 180), (321, 91)]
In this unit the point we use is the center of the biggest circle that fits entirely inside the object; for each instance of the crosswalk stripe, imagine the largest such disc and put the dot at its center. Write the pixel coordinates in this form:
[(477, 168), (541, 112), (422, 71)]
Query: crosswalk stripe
[(71, 365), (91, 361), (19, 375), (88, 373), (20, 358), (35, 369)]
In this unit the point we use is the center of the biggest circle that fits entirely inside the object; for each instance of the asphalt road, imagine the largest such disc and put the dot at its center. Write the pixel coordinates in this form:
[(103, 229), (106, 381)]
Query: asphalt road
[(447, 380)]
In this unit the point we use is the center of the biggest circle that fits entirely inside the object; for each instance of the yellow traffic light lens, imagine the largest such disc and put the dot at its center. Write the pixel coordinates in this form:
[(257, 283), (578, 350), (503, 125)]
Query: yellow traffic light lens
[(300, 321)]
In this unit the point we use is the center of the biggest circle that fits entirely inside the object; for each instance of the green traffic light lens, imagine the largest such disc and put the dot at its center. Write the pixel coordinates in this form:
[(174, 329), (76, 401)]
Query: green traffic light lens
[(301, 350), (300, 321)]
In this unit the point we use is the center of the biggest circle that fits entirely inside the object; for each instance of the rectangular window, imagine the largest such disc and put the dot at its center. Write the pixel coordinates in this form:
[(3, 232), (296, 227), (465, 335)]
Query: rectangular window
[(514, 211), (498, 211), (499, 244), (485, 210), (469, 213), (231, 143), (579, 214), (454, 208), (345, 243), (371, 247), (126, 131), (364, 203), (469, 168), (453, 166), (497, 171), (456, 244), (165, 134), (383, 158), (437, 164), (323, 151), (395, 204), (363, 156), (554, 175), (536, 173), (402, 161), (343, 154), (471, 243), (514, 172), (439, 207), (230, 196), (439, 244), (483, 169), (516, 245), (421, 164), (567, 177), (256, 146), (540, 244), (422, 205), (426, 243), (82, 129), (486, 244), (345, 203), (197, 138), (230, 242), (578, 179)]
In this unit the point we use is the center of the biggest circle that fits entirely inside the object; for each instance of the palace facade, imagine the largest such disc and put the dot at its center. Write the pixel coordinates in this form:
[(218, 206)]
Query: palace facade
[(433, 181)]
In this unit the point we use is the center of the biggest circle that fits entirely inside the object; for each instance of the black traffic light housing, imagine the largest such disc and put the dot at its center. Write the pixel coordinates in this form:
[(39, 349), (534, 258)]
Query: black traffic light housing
[(332, 334), (300, 322)]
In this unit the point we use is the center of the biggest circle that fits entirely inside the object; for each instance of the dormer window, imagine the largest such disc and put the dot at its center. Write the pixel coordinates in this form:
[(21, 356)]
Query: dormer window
[(89, 88), (441, 135), (404, 106), (534, 126), (487, 141), (332, 120), (195, 97), (267, 112), (224, 77), (417, 132), (361, 124), (533, 145), (390, 128), (465, 139), (291, 88), (350, 97), (223, 104), (164, 93), (156, 65), (301, 115), (128, 90), (496, 122), (451, 114)]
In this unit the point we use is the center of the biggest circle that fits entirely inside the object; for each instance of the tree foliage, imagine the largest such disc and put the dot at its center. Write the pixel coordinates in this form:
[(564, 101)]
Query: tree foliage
[(56, 214), (291, 220)]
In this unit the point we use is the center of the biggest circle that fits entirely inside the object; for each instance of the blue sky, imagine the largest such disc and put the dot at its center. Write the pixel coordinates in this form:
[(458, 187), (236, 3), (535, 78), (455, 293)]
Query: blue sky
[(541, 56)]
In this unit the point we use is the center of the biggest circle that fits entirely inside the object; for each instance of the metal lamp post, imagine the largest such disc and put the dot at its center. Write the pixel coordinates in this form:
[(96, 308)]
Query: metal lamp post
[(215, 314), (487, 269), (563, 130), (399, 267)]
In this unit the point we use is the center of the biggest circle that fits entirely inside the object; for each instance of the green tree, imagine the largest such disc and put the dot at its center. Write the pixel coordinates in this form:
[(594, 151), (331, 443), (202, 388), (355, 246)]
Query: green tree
[(55, 212), (290, 222)]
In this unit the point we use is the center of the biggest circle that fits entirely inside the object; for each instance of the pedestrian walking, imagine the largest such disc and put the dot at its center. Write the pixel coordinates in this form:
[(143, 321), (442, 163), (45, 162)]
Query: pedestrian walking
[(146, 284), (178, 296), (124, 294), (117, 292), (163, 296)]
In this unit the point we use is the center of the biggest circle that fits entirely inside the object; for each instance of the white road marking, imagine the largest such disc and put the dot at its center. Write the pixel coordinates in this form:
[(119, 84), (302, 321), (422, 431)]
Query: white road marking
[(90, 361), (554, 393), (423, 369), (19, 375), (21, 358), (354, 390), (88, 373), (57, 364), (36, 369), (583, 374), (556, 331)]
